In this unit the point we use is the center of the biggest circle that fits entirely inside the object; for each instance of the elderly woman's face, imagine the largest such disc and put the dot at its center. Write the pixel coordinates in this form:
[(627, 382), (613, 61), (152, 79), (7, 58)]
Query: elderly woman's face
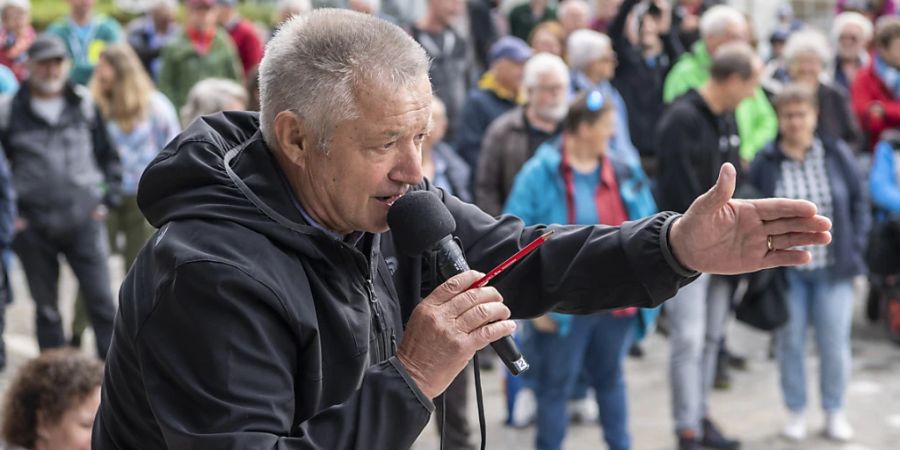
[(850, 41), (371, 160), (797, 121), (15, 18), (73, 431), (805, 68)]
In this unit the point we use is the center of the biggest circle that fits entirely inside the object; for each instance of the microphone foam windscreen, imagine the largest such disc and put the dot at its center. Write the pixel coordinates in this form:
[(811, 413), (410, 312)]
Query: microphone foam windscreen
[(418, 220)]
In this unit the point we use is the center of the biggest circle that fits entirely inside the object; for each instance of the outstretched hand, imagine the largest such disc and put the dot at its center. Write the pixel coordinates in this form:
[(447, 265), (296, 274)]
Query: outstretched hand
[(722, 235)]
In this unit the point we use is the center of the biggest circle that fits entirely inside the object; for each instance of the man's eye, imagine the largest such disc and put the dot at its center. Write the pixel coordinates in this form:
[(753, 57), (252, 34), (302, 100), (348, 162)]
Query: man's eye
[(389, 145), (421, 137)]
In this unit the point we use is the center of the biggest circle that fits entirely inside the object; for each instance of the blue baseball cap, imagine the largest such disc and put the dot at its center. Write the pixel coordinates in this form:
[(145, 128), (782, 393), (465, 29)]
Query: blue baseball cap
[(510, 47)]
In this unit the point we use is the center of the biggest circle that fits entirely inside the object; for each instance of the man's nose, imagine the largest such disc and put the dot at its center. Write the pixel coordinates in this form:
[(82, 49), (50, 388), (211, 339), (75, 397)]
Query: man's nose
[(408, 167)]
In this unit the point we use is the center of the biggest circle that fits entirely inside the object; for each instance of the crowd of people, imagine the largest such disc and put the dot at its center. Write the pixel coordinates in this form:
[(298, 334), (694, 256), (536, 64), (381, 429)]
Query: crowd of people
[(564, 113)]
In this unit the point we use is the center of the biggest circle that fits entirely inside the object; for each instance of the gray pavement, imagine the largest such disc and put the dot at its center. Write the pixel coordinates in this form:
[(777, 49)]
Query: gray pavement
[(751, 410)]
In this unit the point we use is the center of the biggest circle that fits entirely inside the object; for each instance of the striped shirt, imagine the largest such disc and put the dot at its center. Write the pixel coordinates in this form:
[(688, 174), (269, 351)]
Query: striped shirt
[(808, 180)]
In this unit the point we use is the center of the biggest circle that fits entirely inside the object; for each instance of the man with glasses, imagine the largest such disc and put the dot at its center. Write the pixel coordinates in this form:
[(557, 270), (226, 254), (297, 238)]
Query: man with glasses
[(514, 136)]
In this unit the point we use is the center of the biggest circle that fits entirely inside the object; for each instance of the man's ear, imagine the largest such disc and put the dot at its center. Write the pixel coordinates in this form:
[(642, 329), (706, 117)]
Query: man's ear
[(293, 140)]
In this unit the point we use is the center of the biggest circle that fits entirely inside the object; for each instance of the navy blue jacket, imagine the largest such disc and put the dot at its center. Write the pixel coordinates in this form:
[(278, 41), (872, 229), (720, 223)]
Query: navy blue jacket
[(850, 216), (482, 107)]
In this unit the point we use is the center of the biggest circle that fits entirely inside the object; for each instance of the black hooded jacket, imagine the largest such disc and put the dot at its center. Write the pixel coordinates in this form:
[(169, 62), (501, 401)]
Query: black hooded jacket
[(241, 327), (693, 143)]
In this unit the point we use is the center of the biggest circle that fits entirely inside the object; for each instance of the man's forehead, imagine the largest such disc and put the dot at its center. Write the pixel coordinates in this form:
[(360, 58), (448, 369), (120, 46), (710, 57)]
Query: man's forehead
[(382, 102)]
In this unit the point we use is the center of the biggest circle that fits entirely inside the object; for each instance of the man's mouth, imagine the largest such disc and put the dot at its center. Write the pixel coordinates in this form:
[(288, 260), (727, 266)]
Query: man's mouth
[(389, 199)]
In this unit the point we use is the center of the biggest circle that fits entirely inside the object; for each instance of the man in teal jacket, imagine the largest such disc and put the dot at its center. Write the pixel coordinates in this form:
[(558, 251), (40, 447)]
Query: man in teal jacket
[(757, 123), (85, 35)]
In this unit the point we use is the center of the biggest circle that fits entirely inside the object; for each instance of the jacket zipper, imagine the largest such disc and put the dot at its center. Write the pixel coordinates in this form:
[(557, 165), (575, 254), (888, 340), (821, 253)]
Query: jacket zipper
[(377, 320)]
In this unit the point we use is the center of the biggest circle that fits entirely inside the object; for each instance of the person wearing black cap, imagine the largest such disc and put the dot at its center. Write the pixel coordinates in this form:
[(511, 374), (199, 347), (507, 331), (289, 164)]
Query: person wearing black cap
[(273, 309), (66, 174)]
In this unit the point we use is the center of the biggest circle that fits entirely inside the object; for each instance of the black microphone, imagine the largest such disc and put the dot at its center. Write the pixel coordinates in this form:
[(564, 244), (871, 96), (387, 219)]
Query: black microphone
[(420, 222)]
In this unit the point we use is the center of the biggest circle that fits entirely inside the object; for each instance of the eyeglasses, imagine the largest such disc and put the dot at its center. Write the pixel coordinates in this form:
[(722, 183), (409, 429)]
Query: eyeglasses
[(594, 101), (551, 88)]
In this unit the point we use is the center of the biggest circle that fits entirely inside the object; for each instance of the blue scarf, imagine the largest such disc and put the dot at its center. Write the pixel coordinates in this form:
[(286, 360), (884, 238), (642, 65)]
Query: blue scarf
[(888, 75)]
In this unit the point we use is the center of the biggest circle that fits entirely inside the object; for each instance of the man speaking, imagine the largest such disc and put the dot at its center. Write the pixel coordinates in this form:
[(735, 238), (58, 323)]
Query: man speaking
[(262, 314)]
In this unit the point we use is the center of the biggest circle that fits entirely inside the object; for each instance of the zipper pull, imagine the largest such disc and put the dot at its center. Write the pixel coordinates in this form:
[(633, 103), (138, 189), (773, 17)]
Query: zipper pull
[(373, 304)]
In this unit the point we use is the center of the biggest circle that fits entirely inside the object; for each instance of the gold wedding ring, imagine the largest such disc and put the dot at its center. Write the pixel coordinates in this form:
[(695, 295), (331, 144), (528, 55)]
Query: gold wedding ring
[(769, 243)]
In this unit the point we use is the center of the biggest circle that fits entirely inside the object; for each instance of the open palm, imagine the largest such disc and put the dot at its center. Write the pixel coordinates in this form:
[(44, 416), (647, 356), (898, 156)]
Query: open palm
[(722, 235)]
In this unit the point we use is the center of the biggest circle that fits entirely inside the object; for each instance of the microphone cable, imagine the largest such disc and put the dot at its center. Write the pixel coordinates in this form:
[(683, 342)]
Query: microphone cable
[(479, 400)]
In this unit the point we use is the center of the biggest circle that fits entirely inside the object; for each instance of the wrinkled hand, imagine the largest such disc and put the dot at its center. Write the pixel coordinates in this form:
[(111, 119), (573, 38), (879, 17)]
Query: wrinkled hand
[(721, 235), (665, 22), (448, 327)]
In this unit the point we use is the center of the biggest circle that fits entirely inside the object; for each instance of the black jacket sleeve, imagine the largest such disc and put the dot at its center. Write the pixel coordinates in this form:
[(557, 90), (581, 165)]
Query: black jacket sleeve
[(230, 384), (581, 269), (108, 161)]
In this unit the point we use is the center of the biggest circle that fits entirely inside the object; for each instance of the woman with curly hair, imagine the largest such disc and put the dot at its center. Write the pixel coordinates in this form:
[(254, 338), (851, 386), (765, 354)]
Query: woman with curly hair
[(52, 402)]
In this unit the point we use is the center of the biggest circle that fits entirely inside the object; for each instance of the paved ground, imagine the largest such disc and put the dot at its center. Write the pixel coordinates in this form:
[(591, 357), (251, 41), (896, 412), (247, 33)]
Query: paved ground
[(751, 410)]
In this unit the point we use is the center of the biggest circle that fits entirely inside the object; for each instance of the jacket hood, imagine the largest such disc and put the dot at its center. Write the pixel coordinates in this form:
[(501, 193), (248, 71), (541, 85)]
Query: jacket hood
[(694, 98), (220, 169)]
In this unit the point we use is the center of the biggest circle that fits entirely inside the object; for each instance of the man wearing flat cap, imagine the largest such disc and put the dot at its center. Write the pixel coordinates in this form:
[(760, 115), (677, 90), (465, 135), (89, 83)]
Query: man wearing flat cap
[(66, 174)]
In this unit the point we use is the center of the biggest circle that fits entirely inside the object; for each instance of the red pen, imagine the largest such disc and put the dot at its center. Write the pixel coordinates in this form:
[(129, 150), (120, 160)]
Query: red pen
[(512, 260)]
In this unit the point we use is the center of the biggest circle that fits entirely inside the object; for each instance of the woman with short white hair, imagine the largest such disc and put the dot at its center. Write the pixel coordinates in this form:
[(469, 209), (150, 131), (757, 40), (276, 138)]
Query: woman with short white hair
[(213, 95), (806, 57), (851, 34), (593, 62)]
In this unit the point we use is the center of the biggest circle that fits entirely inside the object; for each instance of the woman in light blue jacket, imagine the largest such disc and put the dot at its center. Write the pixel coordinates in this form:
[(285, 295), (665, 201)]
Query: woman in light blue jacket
[(573, 180)]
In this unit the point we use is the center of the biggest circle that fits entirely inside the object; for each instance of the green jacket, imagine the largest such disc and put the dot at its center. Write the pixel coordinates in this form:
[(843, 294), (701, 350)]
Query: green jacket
[(757, 123), (85, 53), (522, 23), (182, 66)]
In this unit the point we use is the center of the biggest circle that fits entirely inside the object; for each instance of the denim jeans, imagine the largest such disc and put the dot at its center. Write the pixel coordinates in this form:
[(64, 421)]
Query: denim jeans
[(818, 299), (597, 343), (697, 316)]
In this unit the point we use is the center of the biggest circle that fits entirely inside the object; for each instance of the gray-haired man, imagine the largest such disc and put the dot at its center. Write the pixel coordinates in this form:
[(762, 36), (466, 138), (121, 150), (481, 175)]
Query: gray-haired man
[(66, 173), (264, 314)]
